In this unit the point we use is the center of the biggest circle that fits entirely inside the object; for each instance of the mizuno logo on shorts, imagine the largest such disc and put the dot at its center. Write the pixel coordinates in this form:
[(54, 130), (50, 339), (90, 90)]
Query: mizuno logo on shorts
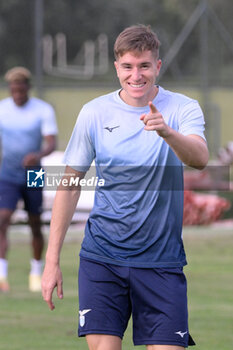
[(182, 334)]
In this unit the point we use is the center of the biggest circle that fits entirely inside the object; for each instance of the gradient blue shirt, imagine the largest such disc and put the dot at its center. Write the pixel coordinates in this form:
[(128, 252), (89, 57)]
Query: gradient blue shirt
[(137, 215)]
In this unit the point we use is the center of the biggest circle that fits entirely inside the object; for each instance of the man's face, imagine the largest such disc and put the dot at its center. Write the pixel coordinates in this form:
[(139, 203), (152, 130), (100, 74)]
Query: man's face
[(137, 73), (19, 92)]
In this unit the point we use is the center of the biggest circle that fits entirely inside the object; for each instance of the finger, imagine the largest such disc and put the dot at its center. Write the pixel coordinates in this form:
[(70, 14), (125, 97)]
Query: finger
[(142, 116), (149, 128), (153, 119), (48, 299), (60, 291), (153, 109), (152, 127), (51, 305)]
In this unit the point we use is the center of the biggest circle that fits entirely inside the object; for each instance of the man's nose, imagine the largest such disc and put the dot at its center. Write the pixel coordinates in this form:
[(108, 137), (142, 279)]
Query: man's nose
[(136, 74)]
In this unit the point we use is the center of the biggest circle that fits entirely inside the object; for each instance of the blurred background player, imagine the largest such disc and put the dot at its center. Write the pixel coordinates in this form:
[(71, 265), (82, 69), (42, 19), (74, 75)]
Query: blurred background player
[(28, 132)]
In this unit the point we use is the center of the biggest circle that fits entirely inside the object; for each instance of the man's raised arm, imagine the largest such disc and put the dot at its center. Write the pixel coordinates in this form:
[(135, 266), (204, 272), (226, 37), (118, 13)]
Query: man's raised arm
[(191, 149)]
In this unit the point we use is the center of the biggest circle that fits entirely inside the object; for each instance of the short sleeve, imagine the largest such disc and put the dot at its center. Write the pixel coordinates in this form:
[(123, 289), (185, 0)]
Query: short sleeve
[(80, 152), (191, 119), (49, 124)]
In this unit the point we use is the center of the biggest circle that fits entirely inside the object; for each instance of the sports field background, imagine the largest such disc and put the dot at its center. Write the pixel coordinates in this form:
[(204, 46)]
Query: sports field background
[(27, 323), (25, 320), (69, 101)]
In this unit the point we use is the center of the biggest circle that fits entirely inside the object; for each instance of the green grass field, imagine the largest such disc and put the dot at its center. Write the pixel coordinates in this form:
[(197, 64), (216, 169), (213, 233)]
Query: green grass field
[(69, 101), (27, 323)]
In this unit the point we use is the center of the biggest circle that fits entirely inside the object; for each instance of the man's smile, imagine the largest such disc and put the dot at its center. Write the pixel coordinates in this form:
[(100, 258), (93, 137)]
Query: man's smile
[(136, 86)]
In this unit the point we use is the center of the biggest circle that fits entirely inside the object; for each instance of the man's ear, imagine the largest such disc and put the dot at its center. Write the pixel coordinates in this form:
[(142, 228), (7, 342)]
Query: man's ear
[(159, 65), (116, 66)]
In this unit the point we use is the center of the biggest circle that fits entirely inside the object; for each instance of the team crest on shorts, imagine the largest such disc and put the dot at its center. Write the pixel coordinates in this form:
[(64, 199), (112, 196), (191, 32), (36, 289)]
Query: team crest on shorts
[(82, 318)]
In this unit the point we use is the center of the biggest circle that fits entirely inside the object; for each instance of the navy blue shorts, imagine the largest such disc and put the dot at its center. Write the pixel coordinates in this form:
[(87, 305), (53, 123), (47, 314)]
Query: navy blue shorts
[(11, 193), (156, 299)]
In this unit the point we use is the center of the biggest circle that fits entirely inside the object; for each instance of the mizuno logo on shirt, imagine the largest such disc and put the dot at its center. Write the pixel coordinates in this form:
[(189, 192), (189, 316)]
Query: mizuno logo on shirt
[(182, 334), (111, 129)]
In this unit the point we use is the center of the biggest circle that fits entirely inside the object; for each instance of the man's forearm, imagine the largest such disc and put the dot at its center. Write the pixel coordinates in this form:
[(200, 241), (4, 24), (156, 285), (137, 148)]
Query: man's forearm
[(48, 147), (63, 209), (191, 150), (34, 158)]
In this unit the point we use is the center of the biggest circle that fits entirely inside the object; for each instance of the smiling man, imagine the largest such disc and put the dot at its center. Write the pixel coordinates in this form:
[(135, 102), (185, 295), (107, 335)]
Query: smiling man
[(137, 75), (132, 255)]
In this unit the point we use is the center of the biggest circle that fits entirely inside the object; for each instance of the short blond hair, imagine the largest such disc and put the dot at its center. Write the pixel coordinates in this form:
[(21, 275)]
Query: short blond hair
[(18, 74), (137, 38)]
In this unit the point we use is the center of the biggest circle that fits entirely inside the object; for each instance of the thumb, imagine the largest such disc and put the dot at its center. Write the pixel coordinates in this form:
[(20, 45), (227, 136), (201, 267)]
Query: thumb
[(153, 109)]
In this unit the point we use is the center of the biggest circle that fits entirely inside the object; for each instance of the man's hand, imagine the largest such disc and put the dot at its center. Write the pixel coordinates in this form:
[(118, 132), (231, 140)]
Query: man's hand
[(31, 159), (52, 278), (190, 149), (154, 121)]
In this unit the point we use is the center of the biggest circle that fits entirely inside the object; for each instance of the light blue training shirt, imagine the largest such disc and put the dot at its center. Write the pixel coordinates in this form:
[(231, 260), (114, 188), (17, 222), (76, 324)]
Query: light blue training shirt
[(137, 215), (21, 132)]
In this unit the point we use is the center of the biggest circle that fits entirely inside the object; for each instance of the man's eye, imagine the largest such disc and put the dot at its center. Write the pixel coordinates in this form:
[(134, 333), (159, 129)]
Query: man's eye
[(145, 66)]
